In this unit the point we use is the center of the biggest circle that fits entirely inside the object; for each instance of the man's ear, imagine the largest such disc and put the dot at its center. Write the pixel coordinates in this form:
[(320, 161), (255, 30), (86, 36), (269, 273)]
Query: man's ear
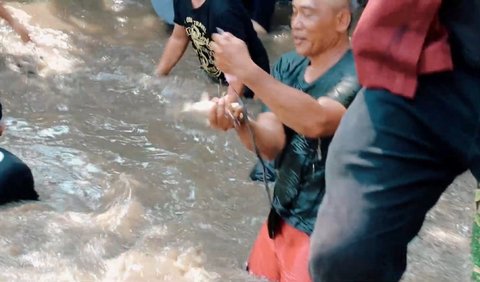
[(344, 18)]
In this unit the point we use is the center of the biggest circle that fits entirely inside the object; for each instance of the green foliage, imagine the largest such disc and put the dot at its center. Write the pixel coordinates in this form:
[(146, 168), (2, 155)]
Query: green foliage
[(476, 239), (476, 249)]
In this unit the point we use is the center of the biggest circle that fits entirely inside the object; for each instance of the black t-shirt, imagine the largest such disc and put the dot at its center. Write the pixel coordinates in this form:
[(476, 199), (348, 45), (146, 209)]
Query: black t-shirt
[(229, 15), (16, 179)]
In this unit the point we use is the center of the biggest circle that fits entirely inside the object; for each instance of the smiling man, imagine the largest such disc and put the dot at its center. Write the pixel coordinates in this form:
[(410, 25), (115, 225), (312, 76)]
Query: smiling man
[(307, 96)]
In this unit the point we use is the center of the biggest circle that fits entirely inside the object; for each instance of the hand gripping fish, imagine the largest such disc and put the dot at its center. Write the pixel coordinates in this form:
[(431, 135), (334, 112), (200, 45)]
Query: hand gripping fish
[(203, 107)]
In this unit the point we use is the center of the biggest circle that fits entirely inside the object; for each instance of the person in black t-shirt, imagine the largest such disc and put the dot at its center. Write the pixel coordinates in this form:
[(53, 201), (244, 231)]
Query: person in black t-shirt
[(306, 96), (261, 12), (195, 21)]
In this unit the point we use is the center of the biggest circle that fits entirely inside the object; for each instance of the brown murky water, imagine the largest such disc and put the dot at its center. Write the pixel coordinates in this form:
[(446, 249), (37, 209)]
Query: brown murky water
[(130, 190)]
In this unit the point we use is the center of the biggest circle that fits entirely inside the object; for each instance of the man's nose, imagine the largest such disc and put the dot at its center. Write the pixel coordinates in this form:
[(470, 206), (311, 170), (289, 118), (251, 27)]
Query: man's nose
[(296, 23)]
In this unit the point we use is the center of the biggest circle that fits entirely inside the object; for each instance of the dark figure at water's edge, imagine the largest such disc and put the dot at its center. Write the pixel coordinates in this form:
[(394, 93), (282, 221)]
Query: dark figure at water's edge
[(16, 179)]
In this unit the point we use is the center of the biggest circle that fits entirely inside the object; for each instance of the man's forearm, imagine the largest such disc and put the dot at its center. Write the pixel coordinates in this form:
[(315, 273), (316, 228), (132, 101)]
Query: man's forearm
[(266, 138), (6, 15), (237, 87), (174, 50), (292, 107)]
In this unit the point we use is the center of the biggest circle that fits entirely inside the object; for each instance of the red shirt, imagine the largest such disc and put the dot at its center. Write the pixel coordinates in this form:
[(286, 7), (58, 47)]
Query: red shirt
[(396, 41)]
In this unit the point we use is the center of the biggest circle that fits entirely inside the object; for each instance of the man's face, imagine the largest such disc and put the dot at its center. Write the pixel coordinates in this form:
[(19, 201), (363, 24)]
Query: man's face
[(314, 26)]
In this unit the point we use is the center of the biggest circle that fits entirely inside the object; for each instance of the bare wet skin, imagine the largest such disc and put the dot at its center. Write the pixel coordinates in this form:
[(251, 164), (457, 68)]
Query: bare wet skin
[(130, 190)]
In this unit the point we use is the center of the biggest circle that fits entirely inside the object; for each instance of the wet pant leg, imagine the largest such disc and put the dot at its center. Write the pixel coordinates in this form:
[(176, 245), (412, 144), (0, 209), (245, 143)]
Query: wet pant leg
[(388, 164)]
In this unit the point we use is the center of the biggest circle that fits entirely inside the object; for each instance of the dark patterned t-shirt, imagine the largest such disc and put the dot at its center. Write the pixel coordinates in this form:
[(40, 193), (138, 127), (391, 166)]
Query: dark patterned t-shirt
[(230, 16), (300, 184)]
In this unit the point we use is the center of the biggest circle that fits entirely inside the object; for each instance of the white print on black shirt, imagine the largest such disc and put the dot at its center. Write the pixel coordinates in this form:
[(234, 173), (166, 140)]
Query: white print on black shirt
[(201, 43)]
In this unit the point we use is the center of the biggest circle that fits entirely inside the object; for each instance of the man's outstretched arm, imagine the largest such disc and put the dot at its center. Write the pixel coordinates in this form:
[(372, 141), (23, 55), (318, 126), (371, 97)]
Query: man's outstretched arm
[(16, 26), (174, 50)]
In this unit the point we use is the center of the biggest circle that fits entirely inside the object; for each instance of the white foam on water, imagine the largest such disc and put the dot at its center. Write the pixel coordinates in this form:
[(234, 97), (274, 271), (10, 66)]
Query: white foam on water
[(171, 265)]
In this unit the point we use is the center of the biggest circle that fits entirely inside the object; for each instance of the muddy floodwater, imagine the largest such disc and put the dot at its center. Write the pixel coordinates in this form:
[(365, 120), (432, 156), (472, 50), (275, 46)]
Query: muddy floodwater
[(130, 189)]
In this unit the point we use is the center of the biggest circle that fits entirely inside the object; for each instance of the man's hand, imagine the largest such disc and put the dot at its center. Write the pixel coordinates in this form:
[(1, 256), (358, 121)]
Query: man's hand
[(225, 113), (231, 54)]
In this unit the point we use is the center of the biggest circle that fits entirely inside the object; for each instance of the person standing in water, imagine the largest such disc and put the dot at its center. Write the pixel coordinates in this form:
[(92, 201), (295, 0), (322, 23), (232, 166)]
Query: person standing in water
[(195, 21), (307, 95)]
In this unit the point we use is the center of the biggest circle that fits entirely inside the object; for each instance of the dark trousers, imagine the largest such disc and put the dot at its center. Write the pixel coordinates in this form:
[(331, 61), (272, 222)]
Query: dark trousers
[(388, 164)]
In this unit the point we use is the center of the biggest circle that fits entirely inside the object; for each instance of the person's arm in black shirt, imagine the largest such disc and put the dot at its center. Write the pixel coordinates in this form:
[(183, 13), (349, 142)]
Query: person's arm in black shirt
[(235, 20), (174, 50)]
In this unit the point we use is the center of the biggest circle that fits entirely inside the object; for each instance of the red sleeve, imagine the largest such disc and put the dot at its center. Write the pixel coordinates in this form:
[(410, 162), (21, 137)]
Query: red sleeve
[(389, 42)]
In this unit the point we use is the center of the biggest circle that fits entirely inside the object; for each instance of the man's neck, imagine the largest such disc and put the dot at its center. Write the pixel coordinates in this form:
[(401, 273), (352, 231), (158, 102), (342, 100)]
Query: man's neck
[(320, 63), (197, 3)]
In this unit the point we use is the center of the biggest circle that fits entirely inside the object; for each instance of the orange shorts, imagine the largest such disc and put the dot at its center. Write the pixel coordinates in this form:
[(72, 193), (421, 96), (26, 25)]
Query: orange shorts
[(284, 258)]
